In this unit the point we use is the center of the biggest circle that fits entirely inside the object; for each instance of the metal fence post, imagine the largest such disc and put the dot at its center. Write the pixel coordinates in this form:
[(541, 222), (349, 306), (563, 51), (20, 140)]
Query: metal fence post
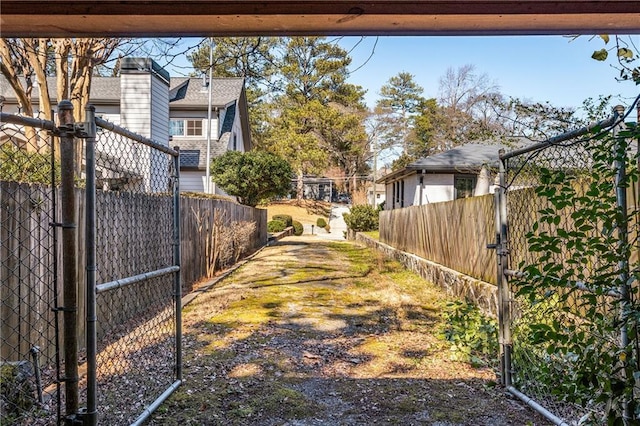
[(620, 164), (90, 247), (176, 262), (504, 298), (69, 264)]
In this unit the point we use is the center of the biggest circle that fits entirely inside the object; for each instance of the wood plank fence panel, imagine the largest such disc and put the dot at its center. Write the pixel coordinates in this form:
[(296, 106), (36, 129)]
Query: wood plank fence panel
[(26, 276), (453, 233), (135, 234)]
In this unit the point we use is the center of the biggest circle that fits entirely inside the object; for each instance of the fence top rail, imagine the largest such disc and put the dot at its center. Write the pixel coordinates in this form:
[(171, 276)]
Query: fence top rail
[(28, 121), (563, 137), (134, 136)]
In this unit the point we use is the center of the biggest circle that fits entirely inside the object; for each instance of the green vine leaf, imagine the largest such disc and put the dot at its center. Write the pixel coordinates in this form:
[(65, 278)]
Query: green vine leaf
[(600, 55)]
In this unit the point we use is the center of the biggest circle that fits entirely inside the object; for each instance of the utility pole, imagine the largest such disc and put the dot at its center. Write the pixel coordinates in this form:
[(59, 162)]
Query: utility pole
[(207, 185), (375, 168)]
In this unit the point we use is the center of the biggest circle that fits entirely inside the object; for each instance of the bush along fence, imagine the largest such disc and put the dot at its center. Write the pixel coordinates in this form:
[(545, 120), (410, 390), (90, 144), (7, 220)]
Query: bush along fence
[(567, 245), (91, 268)]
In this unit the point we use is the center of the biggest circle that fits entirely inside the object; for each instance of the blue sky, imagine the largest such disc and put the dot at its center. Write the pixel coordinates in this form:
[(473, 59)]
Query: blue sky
[(537, 68), (553, 69)]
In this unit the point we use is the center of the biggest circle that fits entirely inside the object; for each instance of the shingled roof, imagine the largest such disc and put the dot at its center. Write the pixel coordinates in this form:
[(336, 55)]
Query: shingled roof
[(190, 91), (467, 158), (184, 91)]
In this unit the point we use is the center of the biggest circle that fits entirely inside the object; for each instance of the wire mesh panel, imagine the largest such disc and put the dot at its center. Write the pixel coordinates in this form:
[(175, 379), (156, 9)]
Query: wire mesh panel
[(29, 371), (565, 227), (135, 306)]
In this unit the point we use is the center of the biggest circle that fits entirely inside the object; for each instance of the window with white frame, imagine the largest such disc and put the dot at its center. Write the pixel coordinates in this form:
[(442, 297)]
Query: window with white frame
[(185, 127)]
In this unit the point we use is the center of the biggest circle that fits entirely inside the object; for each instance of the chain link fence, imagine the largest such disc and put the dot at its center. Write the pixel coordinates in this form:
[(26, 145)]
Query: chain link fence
[(137, 281), (568, 269), (29, 194), (87, 233)]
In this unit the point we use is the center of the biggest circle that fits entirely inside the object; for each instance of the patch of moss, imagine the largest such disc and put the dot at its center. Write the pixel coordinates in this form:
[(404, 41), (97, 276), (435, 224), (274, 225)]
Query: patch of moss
[(288, 403)]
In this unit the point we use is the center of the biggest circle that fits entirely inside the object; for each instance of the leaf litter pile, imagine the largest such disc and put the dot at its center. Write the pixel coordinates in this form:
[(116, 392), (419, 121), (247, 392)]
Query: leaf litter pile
[(310, 332)]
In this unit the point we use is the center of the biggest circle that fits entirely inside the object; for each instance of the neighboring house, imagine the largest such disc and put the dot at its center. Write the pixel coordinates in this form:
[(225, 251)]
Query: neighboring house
[(315, 188), (171, 111), (188, 125), (461, 172), (376, 194)]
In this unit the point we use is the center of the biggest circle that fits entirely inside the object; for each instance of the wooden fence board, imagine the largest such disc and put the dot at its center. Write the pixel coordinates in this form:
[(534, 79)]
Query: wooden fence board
[(134, 235), (454, 234)]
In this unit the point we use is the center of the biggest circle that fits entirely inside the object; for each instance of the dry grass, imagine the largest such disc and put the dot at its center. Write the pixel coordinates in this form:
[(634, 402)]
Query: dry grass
[(305, 211), (319, 333)]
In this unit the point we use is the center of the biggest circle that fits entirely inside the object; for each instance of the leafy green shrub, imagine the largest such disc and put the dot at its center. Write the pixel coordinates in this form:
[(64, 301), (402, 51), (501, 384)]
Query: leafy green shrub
[(18, 165), (298, 229), (252, 176), (287, 219), (276, 226), (362, 218), (18, 393), (573, 334), (321, 223), (473, 335)]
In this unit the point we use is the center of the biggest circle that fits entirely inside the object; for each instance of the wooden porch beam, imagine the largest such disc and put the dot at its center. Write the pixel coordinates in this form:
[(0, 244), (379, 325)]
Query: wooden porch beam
[(162, 18)]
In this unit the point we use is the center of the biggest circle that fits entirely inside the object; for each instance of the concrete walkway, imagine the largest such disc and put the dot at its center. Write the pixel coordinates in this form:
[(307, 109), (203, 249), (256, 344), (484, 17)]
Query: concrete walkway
[(337, 226)]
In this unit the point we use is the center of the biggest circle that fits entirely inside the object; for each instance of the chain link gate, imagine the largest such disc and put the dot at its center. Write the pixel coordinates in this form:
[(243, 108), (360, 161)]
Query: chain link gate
[(133, 263), (567, 273), (30, 375), (118, 286)]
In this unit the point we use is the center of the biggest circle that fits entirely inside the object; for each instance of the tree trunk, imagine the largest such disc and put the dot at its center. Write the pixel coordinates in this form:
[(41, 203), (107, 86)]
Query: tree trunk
[(22, 94), (37, 56), (61, 48)]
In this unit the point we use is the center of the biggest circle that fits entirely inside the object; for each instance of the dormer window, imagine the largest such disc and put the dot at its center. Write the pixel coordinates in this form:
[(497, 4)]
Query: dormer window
[(182, 127)]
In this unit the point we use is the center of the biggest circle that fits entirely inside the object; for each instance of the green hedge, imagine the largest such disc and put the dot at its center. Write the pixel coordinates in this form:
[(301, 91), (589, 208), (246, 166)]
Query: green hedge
[(298, 229), (321, 222), (362, 218), (276, 226), (287, 219)]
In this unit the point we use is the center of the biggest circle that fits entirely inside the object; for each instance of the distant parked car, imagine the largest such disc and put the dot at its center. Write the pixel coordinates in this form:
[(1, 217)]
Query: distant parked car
[(344, 198)]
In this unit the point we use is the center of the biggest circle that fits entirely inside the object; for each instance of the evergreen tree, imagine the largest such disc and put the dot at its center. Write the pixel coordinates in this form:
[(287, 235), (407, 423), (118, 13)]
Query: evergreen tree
[(400, 100)]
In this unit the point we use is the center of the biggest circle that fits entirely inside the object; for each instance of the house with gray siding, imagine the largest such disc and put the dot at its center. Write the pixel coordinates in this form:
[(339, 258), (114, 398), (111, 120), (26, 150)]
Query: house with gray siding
[(189, 125), (172, 111)]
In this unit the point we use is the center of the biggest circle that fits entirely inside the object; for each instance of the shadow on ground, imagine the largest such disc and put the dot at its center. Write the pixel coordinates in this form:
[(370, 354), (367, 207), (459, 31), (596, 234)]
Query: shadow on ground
[(320, 333)]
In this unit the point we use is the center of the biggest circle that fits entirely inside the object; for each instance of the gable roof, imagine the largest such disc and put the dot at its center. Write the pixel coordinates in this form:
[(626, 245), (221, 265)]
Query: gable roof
[(470, 156), (191, 92), (467, 158), (183, 91)]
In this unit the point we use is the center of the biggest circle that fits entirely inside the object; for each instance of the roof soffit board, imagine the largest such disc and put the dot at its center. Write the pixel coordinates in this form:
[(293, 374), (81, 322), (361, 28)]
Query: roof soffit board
[(148, 18)]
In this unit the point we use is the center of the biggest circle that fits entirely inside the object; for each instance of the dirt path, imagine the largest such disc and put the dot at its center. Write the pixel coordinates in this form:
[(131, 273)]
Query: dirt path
[(311, 332)]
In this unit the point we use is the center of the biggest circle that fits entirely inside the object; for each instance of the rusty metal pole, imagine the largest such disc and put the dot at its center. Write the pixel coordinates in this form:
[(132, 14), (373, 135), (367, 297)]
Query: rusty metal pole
[(504, 295), (91, 414), (177, 262), (69, 263), (620, 165)]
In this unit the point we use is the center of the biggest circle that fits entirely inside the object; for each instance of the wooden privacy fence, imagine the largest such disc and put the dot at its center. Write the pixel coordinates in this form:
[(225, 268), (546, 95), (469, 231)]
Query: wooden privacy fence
[(26, 272), (197, 223), (26, 242), (453, 233)]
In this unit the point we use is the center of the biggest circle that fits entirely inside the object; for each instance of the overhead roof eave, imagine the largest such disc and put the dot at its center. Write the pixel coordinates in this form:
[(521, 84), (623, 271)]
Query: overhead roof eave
[(155, 18)]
